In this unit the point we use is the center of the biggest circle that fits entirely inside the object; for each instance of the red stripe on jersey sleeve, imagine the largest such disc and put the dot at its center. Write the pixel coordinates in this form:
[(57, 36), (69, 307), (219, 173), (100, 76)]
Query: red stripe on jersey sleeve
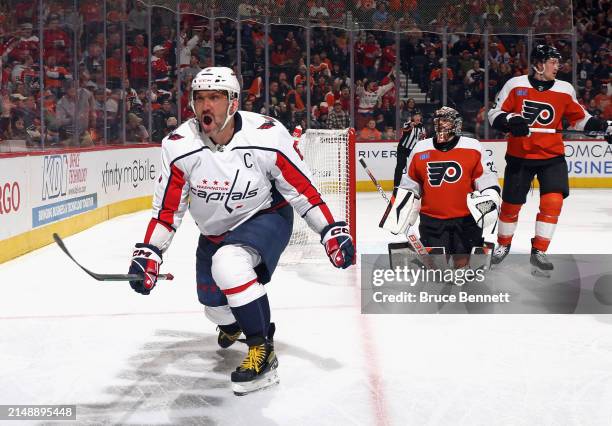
[(172, 198), (302, 185), (151, 228)]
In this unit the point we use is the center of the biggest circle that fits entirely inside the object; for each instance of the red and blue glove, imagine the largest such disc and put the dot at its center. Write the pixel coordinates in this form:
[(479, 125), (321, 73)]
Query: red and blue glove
[(146, 260), (338, 244)]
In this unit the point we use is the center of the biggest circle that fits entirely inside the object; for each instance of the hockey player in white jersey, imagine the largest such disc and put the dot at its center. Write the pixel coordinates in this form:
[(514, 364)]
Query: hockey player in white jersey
[(239, 174)]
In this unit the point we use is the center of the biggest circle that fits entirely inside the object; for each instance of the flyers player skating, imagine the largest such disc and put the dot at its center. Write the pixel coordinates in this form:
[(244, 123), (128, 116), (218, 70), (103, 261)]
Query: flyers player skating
[(532, 101)]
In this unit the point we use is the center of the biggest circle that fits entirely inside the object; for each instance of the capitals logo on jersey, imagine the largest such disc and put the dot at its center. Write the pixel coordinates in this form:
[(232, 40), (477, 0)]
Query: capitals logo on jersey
[(268, 124), (440, 171), (217, 191), (539, 112)]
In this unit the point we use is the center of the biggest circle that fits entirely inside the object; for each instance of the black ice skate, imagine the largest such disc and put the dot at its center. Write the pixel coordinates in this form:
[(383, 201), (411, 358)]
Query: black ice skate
[(500, 254), (540, 265), (228, 334), (258, 370)]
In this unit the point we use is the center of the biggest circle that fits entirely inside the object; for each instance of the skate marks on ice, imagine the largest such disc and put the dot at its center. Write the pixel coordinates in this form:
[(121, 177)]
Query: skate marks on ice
[(183, 378)]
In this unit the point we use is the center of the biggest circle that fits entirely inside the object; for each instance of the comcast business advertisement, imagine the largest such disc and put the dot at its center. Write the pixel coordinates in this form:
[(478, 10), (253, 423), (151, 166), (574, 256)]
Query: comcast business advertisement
[(410, 284)]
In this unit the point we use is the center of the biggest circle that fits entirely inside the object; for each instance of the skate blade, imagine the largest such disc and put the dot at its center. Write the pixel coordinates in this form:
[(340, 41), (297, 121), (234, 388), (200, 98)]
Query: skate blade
[(537, 272), (244, 388)]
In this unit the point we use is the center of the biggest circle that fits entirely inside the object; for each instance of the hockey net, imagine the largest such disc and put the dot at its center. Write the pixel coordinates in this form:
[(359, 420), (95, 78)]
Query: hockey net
[(330, 156)]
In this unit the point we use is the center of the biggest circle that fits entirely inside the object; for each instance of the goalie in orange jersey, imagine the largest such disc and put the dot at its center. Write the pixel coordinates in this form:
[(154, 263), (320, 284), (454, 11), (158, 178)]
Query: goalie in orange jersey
[(451, 184)]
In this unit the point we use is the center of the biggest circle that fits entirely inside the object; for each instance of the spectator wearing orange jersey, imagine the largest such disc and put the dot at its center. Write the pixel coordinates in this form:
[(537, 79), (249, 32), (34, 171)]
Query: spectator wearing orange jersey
[(319, 68), (114, 70), (602, 99), (295, 97), (55, 75), (370, 132)]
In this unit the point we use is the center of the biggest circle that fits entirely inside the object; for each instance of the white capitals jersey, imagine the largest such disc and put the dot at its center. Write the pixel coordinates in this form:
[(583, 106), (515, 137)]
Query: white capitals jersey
[(223, 186)]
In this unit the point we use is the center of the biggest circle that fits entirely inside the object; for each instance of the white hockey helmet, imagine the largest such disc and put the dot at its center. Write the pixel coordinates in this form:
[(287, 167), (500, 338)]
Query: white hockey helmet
[(217, 78)]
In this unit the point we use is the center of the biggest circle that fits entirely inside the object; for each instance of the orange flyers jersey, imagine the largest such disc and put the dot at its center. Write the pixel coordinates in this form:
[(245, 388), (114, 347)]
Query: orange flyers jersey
[(543, 109), (443, 179)]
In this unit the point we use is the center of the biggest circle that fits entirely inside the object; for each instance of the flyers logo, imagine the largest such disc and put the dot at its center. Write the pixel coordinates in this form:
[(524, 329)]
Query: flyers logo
[(438, 171), (537, 112)]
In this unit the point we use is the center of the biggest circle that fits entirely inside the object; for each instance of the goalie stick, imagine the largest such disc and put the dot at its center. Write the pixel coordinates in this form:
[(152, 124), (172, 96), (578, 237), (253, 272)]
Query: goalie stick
[(106, 277)]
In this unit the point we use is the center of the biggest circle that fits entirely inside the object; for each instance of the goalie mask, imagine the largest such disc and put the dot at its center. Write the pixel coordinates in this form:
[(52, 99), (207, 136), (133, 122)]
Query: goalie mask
[(217, 78), (447, 124)]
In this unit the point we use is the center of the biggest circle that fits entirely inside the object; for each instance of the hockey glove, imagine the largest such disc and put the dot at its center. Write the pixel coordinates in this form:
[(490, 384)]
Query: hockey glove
[(146, 260), (484, 207), (338, 244), (517, 126), (402, 212)]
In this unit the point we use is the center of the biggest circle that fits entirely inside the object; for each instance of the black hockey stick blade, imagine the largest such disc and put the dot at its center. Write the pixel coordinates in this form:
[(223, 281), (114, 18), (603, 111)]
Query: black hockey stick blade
[(106, 277)]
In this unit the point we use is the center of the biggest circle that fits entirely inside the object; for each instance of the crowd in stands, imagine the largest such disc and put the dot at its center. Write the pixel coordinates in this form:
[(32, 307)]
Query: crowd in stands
[(96, 90)]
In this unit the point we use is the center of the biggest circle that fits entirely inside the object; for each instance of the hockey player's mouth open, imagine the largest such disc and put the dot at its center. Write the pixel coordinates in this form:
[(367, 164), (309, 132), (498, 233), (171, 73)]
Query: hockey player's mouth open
[(207, 119)]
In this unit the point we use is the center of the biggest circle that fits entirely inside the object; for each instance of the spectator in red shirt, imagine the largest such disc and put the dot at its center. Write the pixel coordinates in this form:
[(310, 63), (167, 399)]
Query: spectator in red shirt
[(160, 68), (371, 52), (139, 57), (387, 60), (278, 57), (56, 42), (114, 70), (27, 44)]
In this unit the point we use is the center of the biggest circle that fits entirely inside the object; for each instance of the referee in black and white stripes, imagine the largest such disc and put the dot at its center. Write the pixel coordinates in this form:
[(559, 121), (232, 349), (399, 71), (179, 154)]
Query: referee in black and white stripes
[(412, 132)]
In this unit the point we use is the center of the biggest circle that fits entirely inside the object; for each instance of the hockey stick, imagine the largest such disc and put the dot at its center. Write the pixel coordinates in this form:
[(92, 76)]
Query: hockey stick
[(571, 131), (374, 181), (106, 277), (413, 238)]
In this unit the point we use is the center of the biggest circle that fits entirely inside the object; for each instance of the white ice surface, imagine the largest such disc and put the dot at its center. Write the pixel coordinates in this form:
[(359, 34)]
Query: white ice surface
[(128, 359)]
